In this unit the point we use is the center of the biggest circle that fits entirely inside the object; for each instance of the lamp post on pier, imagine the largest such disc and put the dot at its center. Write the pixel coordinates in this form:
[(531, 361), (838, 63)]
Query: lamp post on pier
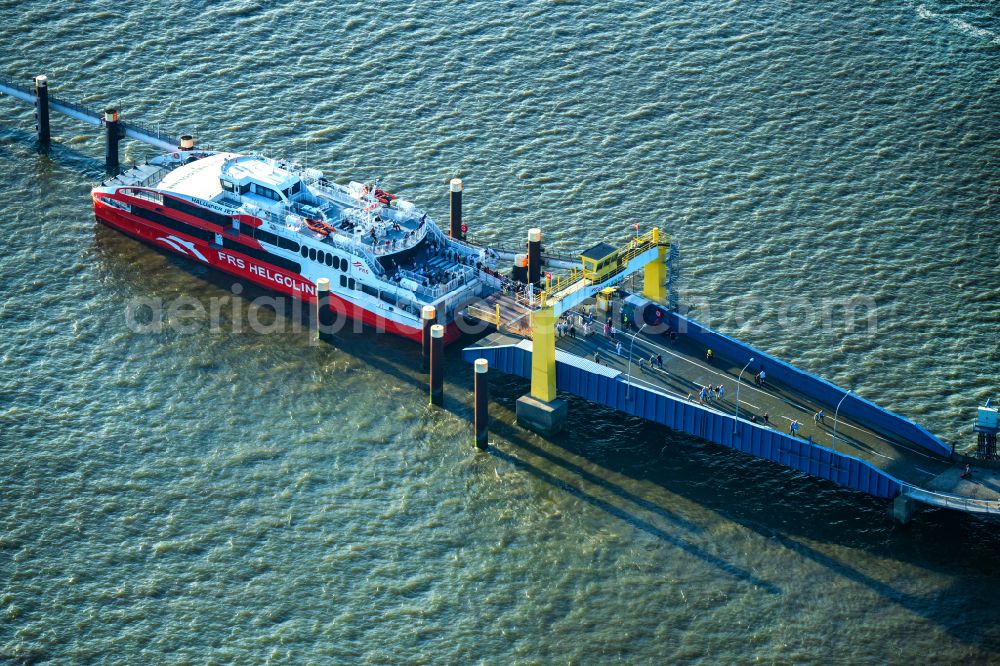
[(836, 413), (739, 380), (628, 384)]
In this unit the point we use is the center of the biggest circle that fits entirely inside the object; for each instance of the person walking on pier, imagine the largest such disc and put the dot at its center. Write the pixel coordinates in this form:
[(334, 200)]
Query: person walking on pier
[(722, 391), (793, 428), (709, 355), (618, 348), (703, 394), (819, 417), (659, 362), (597, 357)]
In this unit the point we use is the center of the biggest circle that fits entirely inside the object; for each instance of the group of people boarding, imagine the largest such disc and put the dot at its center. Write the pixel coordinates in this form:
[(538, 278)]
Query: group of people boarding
[(710, 393)]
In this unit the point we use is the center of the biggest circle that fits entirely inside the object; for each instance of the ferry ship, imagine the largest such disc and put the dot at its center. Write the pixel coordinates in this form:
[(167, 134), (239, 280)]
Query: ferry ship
[(284, 226)]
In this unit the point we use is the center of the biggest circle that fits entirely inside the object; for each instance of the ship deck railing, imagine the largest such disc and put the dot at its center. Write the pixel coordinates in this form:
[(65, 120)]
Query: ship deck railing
[(465, 276), (139, 175), (397, 243), (398, 240)]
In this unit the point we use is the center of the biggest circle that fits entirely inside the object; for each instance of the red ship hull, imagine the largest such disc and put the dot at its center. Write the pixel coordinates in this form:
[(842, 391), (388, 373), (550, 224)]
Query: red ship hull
[(253, 270)]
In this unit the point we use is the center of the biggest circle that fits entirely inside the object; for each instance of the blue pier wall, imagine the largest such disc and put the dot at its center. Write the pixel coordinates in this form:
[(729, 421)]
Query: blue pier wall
[(808, 385), (594, 383)]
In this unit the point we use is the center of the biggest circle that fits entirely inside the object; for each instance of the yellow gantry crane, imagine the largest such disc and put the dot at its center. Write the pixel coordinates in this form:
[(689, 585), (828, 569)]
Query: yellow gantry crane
[(603, 266)]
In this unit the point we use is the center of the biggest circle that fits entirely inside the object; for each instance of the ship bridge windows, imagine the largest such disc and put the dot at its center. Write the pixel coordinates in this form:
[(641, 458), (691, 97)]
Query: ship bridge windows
[(265, 192), (235, 188)]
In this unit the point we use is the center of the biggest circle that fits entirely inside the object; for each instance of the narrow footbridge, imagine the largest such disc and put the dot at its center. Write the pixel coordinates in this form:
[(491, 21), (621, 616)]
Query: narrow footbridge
[(37, 94)]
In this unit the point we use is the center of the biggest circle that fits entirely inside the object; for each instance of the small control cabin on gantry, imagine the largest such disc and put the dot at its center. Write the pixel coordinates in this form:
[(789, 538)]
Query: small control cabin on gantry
[(601, 261)]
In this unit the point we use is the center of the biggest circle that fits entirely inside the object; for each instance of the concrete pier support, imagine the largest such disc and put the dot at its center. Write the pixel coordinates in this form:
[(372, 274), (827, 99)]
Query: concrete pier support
[(481, 414), (534, 255), (437, 364), (654, 274), (42, 110), (455, 208), (113, 134), (544, 417), (903, 509)]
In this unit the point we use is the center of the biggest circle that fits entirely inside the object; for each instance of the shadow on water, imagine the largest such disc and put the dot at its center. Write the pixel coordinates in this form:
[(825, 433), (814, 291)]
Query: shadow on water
[(637, 522), (510, 433), (90, 168)]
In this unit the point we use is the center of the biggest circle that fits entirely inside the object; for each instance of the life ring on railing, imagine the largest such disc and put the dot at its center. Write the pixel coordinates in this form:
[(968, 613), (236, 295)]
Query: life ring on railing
[(652, 316)]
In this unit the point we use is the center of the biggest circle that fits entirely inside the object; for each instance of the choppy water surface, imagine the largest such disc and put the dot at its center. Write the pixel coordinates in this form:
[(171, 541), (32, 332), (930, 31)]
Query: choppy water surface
[(224, 496)]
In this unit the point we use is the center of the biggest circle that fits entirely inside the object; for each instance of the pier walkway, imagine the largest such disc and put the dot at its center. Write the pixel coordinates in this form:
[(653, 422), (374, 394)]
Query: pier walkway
[(864, 456)]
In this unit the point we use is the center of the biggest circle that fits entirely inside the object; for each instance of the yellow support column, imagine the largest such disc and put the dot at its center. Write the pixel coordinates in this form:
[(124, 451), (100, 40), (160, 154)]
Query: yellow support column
[(654, 274), (543, 355)]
